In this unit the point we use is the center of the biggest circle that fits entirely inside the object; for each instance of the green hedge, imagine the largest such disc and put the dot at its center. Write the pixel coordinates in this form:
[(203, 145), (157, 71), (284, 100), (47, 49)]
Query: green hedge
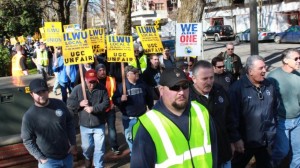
[(5, 61)]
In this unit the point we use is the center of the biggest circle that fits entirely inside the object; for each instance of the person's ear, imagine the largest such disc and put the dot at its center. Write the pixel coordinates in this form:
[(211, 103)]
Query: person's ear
[(285, 60)]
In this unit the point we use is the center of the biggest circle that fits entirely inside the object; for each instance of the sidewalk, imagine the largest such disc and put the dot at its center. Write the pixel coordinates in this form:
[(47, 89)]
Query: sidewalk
[(110, 160)]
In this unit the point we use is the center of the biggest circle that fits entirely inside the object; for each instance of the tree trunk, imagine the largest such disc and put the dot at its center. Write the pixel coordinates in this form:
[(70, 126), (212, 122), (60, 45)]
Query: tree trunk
[(60, 12), (191, 11), (123, 17), (81, 6), (67, 10)]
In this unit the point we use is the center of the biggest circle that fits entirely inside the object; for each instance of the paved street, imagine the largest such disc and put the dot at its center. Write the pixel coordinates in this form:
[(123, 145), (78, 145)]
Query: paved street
[(270, 51)]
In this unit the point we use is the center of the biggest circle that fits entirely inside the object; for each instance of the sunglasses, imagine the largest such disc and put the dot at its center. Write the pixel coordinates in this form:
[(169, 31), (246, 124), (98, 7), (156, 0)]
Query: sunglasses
[(297, 58), (219, 67), (178, 87), (259, 93), (231, 49)]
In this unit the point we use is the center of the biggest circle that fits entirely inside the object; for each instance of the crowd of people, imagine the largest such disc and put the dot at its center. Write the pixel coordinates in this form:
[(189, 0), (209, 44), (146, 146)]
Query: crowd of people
[(175, 113)]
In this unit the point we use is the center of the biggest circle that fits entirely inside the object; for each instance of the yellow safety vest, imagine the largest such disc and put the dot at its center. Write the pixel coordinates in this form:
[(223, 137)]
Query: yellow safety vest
[(143, 63), (172, 148), (16, 68), (42, 57)]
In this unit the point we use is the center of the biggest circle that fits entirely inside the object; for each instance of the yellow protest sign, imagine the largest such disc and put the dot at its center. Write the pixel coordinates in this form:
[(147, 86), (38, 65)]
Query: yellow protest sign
[(43, 35), (119, 48), (156, 22), (13, 41), (22, 40), (97, 37), (150, 39), (76, 49), (71, 28), (53, 32), (42, 30)]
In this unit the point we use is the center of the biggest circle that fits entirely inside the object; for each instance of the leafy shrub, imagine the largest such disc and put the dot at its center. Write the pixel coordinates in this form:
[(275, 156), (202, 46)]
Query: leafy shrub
[(5, 61)]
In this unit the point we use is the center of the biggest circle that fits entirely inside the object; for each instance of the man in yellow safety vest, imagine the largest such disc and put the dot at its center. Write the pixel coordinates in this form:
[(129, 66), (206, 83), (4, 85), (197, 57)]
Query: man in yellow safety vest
[(19, 67), (176, 132)]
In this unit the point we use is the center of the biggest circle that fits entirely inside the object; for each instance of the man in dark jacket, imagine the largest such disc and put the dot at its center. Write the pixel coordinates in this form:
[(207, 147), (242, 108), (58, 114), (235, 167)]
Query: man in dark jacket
[(233, 63), (225, 79), (134, 102), (253, 104), (215, 99), (91, 117), (151, 75)]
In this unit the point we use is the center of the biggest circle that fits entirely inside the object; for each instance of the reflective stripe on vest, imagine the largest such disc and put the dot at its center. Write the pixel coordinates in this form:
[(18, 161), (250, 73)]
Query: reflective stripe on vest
[(42, 58), (177, 152), (110, 85), (16, 68)]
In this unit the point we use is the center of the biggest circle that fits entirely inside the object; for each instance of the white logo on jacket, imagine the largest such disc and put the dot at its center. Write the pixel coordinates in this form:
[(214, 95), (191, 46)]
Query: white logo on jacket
[(58, 112)]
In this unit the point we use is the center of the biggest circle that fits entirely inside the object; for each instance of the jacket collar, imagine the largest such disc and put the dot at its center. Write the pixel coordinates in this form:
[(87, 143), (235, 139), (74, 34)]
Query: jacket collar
[(247, 83)]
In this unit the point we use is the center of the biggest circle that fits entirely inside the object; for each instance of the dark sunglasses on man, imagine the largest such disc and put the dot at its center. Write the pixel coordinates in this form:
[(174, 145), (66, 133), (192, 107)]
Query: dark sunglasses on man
[(182, 86)]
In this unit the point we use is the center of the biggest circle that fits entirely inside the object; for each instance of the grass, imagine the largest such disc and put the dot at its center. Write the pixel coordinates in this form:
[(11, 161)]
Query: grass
[(31, 67)]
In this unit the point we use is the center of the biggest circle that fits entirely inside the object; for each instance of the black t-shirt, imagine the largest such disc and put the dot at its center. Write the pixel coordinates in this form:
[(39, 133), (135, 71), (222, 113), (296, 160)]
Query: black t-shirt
[(23, 63)]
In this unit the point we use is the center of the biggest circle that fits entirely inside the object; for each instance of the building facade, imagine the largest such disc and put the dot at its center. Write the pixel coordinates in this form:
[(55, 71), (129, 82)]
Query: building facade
[(275, 15)]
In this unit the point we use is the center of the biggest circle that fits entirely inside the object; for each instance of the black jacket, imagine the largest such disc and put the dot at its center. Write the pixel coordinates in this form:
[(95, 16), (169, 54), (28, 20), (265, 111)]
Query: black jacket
[(225, 80), (152, 77), (139, 97), (98, 98), (218, 106), (254, 118)]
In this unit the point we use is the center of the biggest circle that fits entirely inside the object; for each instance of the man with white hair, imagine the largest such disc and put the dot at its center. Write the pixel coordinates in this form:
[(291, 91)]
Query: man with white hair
[(253, 105)]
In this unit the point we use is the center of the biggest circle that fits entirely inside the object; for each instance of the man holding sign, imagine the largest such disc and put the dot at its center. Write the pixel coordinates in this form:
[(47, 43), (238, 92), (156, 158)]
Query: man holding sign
[(92, 118)]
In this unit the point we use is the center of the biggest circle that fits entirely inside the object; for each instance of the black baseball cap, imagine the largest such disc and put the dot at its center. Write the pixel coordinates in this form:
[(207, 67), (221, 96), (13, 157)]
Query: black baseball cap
[(172, 76), (38, 85)]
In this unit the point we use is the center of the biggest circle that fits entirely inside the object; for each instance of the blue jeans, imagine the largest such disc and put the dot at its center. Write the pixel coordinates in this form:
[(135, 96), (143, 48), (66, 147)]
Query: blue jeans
[(111, 124), (56, 84), (67, 162), (93, 144), (287, 139), (64, 87), (128, 123), (226, 164)]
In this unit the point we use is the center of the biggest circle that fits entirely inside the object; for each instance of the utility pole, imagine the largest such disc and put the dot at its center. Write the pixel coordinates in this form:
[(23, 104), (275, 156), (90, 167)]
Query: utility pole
[(106, 17), (260, 12), (253, 28)]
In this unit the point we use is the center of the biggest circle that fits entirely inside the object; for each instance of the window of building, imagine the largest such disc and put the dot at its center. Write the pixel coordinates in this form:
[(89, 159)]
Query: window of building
[(159, 6)]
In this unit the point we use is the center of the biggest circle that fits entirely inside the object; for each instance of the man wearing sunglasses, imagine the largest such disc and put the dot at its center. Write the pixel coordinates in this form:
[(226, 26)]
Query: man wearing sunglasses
[(91, 113), (233, 63), (177, 131), (253, 105), (286, 80), (225, 79), (215, 99)]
